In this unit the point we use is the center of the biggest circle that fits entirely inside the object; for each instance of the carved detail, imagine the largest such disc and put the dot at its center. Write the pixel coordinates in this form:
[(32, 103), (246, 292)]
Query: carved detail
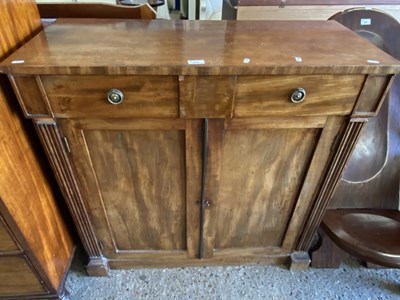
[(52, 141), (332, 177)]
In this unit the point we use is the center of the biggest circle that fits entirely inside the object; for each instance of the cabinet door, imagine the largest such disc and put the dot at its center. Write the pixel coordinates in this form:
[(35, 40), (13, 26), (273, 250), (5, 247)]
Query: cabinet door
[(261, 178), (132, 176)]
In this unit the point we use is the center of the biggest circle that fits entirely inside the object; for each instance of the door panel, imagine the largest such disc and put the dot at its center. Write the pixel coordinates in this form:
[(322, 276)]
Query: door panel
[(132, 178), (258, 191), (257, 183), (141, 179)]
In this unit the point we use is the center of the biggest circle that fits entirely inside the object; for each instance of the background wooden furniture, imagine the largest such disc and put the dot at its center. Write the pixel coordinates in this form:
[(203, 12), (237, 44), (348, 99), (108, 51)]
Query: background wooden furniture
[(95, 10), (308, 9), (35, 246), (364, 217), (152, 3), (164, 161)]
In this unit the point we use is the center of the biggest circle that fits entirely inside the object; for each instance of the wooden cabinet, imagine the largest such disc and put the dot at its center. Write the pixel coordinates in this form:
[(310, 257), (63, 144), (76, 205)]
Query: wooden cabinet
[(164, 162), (35, 245), (17, 275)]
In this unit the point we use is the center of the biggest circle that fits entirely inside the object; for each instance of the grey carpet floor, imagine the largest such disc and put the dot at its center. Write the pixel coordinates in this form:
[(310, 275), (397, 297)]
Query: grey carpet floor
[(350, 281)]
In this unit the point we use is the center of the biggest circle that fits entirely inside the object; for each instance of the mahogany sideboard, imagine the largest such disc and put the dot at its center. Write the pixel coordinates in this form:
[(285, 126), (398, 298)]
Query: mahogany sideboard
[(35, 245), (191, 143)]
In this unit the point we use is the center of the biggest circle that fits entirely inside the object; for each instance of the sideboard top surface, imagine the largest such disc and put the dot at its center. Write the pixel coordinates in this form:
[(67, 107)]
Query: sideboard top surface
[(164, 47)]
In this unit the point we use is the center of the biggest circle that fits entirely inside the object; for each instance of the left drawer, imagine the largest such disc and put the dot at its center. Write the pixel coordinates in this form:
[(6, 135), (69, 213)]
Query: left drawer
[(86, 96)]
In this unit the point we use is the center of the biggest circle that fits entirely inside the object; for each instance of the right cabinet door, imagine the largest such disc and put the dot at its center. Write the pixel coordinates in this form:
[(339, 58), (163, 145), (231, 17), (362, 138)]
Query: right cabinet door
[(262, 175)]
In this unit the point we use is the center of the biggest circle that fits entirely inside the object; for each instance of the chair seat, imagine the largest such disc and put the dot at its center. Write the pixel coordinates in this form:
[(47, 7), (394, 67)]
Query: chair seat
[(373, 235)]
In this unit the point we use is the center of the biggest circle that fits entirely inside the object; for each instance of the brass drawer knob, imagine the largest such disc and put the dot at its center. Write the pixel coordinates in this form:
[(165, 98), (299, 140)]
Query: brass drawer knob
[(115, 96), (298, 95)]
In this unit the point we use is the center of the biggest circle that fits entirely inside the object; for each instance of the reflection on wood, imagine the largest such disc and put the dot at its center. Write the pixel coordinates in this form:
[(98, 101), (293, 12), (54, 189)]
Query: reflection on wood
[(258, 191), (141, 179)]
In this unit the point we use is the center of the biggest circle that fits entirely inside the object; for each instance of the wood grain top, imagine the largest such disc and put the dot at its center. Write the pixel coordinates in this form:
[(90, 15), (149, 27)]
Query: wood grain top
[(84, 46)]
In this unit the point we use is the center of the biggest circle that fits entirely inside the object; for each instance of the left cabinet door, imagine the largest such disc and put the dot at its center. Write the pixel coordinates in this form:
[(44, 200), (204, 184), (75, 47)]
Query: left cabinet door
[(132, 176)]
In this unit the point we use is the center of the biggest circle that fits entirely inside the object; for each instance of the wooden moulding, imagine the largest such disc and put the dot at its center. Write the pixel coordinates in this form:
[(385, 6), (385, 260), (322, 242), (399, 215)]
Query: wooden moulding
[(221, 261), (334, 172), (55, 148)]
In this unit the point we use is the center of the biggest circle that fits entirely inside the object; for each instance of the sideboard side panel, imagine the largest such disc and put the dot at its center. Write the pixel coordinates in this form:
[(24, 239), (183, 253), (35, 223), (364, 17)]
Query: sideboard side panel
[(52, 141)]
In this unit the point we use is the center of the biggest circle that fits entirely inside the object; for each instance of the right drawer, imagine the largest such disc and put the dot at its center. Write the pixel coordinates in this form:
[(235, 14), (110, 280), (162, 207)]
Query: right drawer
[(258, 96), (7, 243)]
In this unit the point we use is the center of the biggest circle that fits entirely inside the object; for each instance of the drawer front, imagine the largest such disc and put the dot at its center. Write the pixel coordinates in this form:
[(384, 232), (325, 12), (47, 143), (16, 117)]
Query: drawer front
[(17, 277), (206, 96), (258, 96), (6, 242), (86, 96)]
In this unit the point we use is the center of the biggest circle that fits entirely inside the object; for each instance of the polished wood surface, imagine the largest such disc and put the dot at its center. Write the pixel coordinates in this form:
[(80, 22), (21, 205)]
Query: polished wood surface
[(28, 203), (95, 10), (199, 95), (135, 172), (154, 217), (14, 35), (86, 97), (136, 183), (162, 47), (257, 193), (372, 235), (17, 278), (269, 95)]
